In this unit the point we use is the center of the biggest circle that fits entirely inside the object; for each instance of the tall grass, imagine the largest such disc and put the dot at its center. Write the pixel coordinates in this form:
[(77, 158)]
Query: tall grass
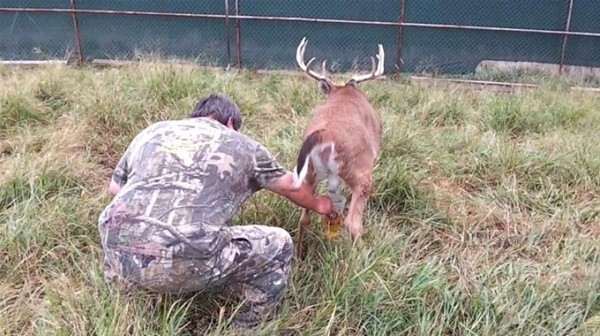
[(485, 219)]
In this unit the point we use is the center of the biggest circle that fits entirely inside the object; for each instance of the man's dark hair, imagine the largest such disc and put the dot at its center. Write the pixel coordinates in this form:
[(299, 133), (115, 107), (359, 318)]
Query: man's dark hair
[(220, 107)]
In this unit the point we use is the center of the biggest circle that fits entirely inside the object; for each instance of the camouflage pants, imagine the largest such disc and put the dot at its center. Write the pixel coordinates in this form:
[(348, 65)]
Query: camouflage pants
[(254, 266)]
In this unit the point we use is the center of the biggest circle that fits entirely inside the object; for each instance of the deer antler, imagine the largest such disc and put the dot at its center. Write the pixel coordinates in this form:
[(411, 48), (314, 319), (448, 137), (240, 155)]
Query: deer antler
[(305, 67), (377, 70)]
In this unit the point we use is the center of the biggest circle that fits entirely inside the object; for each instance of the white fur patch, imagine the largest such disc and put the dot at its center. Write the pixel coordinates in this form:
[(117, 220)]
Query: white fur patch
[(322, 169), (298, 178)]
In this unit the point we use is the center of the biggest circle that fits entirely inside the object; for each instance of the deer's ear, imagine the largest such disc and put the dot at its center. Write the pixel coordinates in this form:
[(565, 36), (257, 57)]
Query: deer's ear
[(325, 86)]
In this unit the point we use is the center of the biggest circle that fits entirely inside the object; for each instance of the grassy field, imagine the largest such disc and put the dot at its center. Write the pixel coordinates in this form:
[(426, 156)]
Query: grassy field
[(485, 220)]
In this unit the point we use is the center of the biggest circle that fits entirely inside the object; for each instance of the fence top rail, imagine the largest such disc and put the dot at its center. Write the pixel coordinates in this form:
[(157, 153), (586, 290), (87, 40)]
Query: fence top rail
[(298, 19)]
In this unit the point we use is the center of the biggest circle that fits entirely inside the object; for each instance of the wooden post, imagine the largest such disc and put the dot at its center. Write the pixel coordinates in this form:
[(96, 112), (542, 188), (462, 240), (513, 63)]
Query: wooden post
[(77, 34), (400, 36), (563, 48)]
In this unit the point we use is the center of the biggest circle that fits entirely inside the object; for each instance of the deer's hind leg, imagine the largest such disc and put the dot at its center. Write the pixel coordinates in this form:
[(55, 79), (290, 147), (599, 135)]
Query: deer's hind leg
[(362, 186)]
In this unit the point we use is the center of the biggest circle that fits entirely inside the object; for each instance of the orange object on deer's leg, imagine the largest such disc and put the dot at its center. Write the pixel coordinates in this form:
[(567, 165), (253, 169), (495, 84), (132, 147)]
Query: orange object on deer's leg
[(333, 224)]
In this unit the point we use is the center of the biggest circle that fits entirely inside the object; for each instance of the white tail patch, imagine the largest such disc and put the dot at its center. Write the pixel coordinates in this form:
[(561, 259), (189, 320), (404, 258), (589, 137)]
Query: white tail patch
[(322, 169), (298, 178)]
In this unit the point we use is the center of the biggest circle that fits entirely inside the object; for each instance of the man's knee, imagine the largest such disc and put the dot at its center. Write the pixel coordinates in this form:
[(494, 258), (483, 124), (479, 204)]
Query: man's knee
[(273, 231), (284, 240), (274, 235), (267, 242), (282, 235)]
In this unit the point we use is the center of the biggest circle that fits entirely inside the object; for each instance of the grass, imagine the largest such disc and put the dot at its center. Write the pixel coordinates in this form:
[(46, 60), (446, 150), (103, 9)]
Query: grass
[(485, 219)]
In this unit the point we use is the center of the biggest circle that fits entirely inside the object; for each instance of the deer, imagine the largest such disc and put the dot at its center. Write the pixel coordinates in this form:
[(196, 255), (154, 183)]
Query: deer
[(341, 142)]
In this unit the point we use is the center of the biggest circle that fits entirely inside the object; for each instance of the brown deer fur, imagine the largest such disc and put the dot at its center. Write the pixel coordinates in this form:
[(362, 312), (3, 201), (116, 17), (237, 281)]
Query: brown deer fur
[(341, 141)]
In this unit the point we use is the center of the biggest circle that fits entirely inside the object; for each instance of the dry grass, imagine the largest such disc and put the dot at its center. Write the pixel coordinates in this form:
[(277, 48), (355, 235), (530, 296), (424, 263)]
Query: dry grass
[(486, 218)]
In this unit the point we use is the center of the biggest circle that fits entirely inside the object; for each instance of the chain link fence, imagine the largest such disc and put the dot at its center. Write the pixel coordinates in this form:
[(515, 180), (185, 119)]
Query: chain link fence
[(452, 50), (35, 35), (450, 37), (142, 29), (583, 50)]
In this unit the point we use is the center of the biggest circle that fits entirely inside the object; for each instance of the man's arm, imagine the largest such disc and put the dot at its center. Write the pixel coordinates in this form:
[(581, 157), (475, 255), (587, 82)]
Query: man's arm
[(302, 197), (269, 174), (119, 176)]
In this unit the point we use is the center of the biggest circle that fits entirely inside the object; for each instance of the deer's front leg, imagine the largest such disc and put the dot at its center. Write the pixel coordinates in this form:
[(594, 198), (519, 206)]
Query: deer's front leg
[(304, 223)]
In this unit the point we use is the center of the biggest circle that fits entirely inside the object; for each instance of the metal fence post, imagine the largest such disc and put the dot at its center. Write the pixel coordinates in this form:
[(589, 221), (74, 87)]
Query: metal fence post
[(238, 35), (565, 37), (227, 37), (77, 34), (400, 36)]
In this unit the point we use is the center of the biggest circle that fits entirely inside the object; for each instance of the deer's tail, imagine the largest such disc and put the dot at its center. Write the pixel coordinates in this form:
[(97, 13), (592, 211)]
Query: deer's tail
[(312, 147)]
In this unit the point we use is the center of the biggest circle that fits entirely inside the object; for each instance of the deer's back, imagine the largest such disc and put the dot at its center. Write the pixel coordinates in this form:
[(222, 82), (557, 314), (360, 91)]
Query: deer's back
[(353, 125)]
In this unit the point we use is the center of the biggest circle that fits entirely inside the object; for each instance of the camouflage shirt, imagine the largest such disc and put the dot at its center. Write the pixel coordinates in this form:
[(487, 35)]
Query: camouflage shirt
[(181, 183)]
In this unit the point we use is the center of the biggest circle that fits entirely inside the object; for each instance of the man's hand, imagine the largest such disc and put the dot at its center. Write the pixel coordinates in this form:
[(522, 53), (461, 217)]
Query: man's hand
[(324, 205), (114, 188), (302, 197)]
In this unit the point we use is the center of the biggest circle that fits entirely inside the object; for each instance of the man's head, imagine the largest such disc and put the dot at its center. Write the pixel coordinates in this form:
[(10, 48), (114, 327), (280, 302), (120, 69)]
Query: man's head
[(219, 107)]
